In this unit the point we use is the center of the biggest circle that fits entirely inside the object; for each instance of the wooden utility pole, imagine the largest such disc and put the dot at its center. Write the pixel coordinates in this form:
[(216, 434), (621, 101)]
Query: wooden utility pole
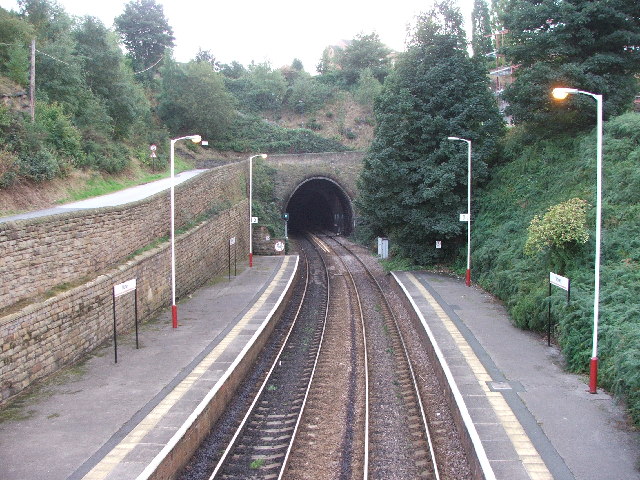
[(32, 82)]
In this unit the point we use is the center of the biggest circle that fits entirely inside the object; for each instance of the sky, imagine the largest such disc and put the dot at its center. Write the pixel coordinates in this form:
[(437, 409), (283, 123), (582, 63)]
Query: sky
[(275, 31)]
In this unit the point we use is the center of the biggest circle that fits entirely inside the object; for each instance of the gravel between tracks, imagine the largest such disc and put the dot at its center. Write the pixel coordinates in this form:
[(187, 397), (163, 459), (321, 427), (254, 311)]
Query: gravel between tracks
[(453, 463)]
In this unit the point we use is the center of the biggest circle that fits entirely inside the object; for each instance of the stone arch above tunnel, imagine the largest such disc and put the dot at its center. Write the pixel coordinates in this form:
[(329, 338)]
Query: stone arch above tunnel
[(320, 203)]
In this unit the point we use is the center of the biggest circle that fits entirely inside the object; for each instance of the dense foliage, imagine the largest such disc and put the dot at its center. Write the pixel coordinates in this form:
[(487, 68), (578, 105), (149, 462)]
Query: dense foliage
[(586, 44), (99, 108), (414, 182), (562, 169), (481, 40), (145, 32)]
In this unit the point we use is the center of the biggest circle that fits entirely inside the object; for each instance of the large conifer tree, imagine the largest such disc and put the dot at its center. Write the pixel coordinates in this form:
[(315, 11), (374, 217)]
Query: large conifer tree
[(592, 45), (414, 182)]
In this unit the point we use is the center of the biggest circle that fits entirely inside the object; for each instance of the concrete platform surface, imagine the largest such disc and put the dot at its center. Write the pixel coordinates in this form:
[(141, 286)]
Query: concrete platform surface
[(533, 419), (106, 420)]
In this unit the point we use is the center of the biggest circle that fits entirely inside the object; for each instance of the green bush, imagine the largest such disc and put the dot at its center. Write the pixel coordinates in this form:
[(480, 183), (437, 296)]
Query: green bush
[(561, 225), (254, 134), (39, 166)]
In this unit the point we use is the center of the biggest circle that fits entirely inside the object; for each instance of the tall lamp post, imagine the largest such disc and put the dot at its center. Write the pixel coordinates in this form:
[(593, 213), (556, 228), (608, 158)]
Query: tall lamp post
[(468, 275), (261, 155), (174, 308), (561, 93)]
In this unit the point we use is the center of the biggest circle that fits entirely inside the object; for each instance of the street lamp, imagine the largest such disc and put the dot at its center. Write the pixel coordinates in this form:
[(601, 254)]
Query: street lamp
[(261, 155), (468, 275), (561, 93), (174, 308)]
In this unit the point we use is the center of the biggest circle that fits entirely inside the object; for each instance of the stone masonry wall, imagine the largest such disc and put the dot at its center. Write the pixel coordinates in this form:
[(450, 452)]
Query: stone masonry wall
[(42, 337), (342, 167), (38, 339), (39, 254)]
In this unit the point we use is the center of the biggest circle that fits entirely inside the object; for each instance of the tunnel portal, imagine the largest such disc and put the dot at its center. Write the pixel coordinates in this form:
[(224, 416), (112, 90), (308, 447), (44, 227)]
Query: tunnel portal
[(320, 204)]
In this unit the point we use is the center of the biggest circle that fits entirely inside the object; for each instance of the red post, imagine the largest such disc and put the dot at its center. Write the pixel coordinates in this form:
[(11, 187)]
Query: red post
[(468, 277), (593, 375), (174, 315), (251, 259)]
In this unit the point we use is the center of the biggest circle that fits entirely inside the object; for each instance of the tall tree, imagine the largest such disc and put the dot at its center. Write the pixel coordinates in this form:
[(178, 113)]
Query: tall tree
[(413, 185), (481, 39), (194, 100), (587, 44), (108, 77), (364, 51), (145, 32)]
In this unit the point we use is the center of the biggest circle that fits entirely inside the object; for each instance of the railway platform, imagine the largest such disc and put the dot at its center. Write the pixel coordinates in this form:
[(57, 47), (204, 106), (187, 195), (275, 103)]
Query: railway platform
[(121, 421), (102, 420), (529, 418)]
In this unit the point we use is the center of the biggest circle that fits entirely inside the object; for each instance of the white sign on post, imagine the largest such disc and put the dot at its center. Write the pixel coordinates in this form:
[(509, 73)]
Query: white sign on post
[(232, 241), (123, 288), (254, 219), (559, 281), (464, 217), (438, 244)]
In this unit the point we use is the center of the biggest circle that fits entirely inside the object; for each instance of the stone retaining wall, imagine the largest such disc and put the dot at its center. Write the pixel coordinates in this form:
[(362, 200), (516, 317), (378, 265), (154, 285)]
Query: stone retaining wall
[(42, 253), (92, 250)]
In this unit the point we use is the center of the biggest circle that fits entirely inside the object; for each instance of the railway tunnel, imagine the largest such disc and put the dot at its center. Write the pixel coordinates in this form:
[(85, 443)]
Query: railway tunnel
[(320, 204)]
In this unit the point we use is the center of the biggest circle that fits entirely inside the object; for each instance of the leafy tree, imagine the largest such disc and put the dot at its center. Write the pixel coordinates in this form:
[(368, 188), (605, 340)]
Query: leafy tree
[(233, 70), (297, 65), (325, 65), (15, 35), (414, 181), (108, 77), (194, 100), (208, 57), (59, 77), (145, 32), (586, 44), (481, 30), (307, 94), (364, 51), (259, 88), (47, 17), (367, 88), (17, 65)]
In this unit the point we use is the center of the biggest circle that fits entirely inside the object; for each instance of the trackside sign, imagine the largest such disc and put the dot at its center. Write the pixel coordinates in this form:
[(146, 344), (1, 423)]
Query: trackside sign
[(123, 288), (559, 281)]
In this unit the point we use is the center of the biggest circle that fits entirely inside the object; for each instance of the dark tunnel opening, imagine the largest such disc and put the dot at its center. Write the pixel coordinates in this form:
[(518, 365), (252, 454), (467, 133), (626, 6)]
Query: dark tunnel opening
[(319, 205)]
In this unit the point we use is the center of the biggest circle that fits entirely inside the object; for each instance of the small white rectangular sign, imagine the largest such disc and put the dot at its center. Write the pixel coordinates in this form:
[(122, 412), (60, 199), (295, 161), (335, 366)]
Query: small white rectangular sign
[(559, 281), (464, 217), (254, 219), (123, 288), (232, 241), (438, 244)]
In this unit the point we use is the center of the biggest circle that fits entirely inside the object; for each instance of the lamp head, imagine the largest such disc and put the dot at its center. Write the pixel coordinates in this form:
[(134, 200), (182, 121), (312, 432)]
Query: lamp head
[(560, 93), (263, 155), (454, 138), (195, 138)]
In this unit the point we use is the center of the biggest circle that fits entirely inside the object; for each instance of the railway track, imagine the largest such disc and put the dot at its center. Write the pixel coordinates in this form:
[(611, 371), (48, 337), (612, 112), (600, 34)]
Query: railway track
[(341, 399), (261, 444), (394, 396)]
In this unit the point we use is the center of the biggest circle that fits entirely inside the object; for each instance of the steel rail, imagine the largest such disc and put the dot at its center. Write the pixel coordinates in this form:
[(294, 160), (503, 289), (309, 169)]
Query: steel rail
[(406, 356), (241, 428), (328, 249)]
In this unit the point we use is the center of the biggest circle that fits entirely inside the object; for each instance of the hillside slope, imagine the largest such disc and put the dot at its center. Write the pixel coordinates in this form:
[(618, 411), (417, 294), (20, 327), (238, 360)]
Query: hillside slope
[(546, 173)]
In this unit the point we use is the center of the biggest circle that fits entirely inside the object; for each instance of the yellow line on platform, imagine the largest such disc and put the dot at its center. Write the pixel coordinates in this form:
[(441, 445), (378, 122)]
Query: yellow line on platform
[(135, 437), (531, 460)]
